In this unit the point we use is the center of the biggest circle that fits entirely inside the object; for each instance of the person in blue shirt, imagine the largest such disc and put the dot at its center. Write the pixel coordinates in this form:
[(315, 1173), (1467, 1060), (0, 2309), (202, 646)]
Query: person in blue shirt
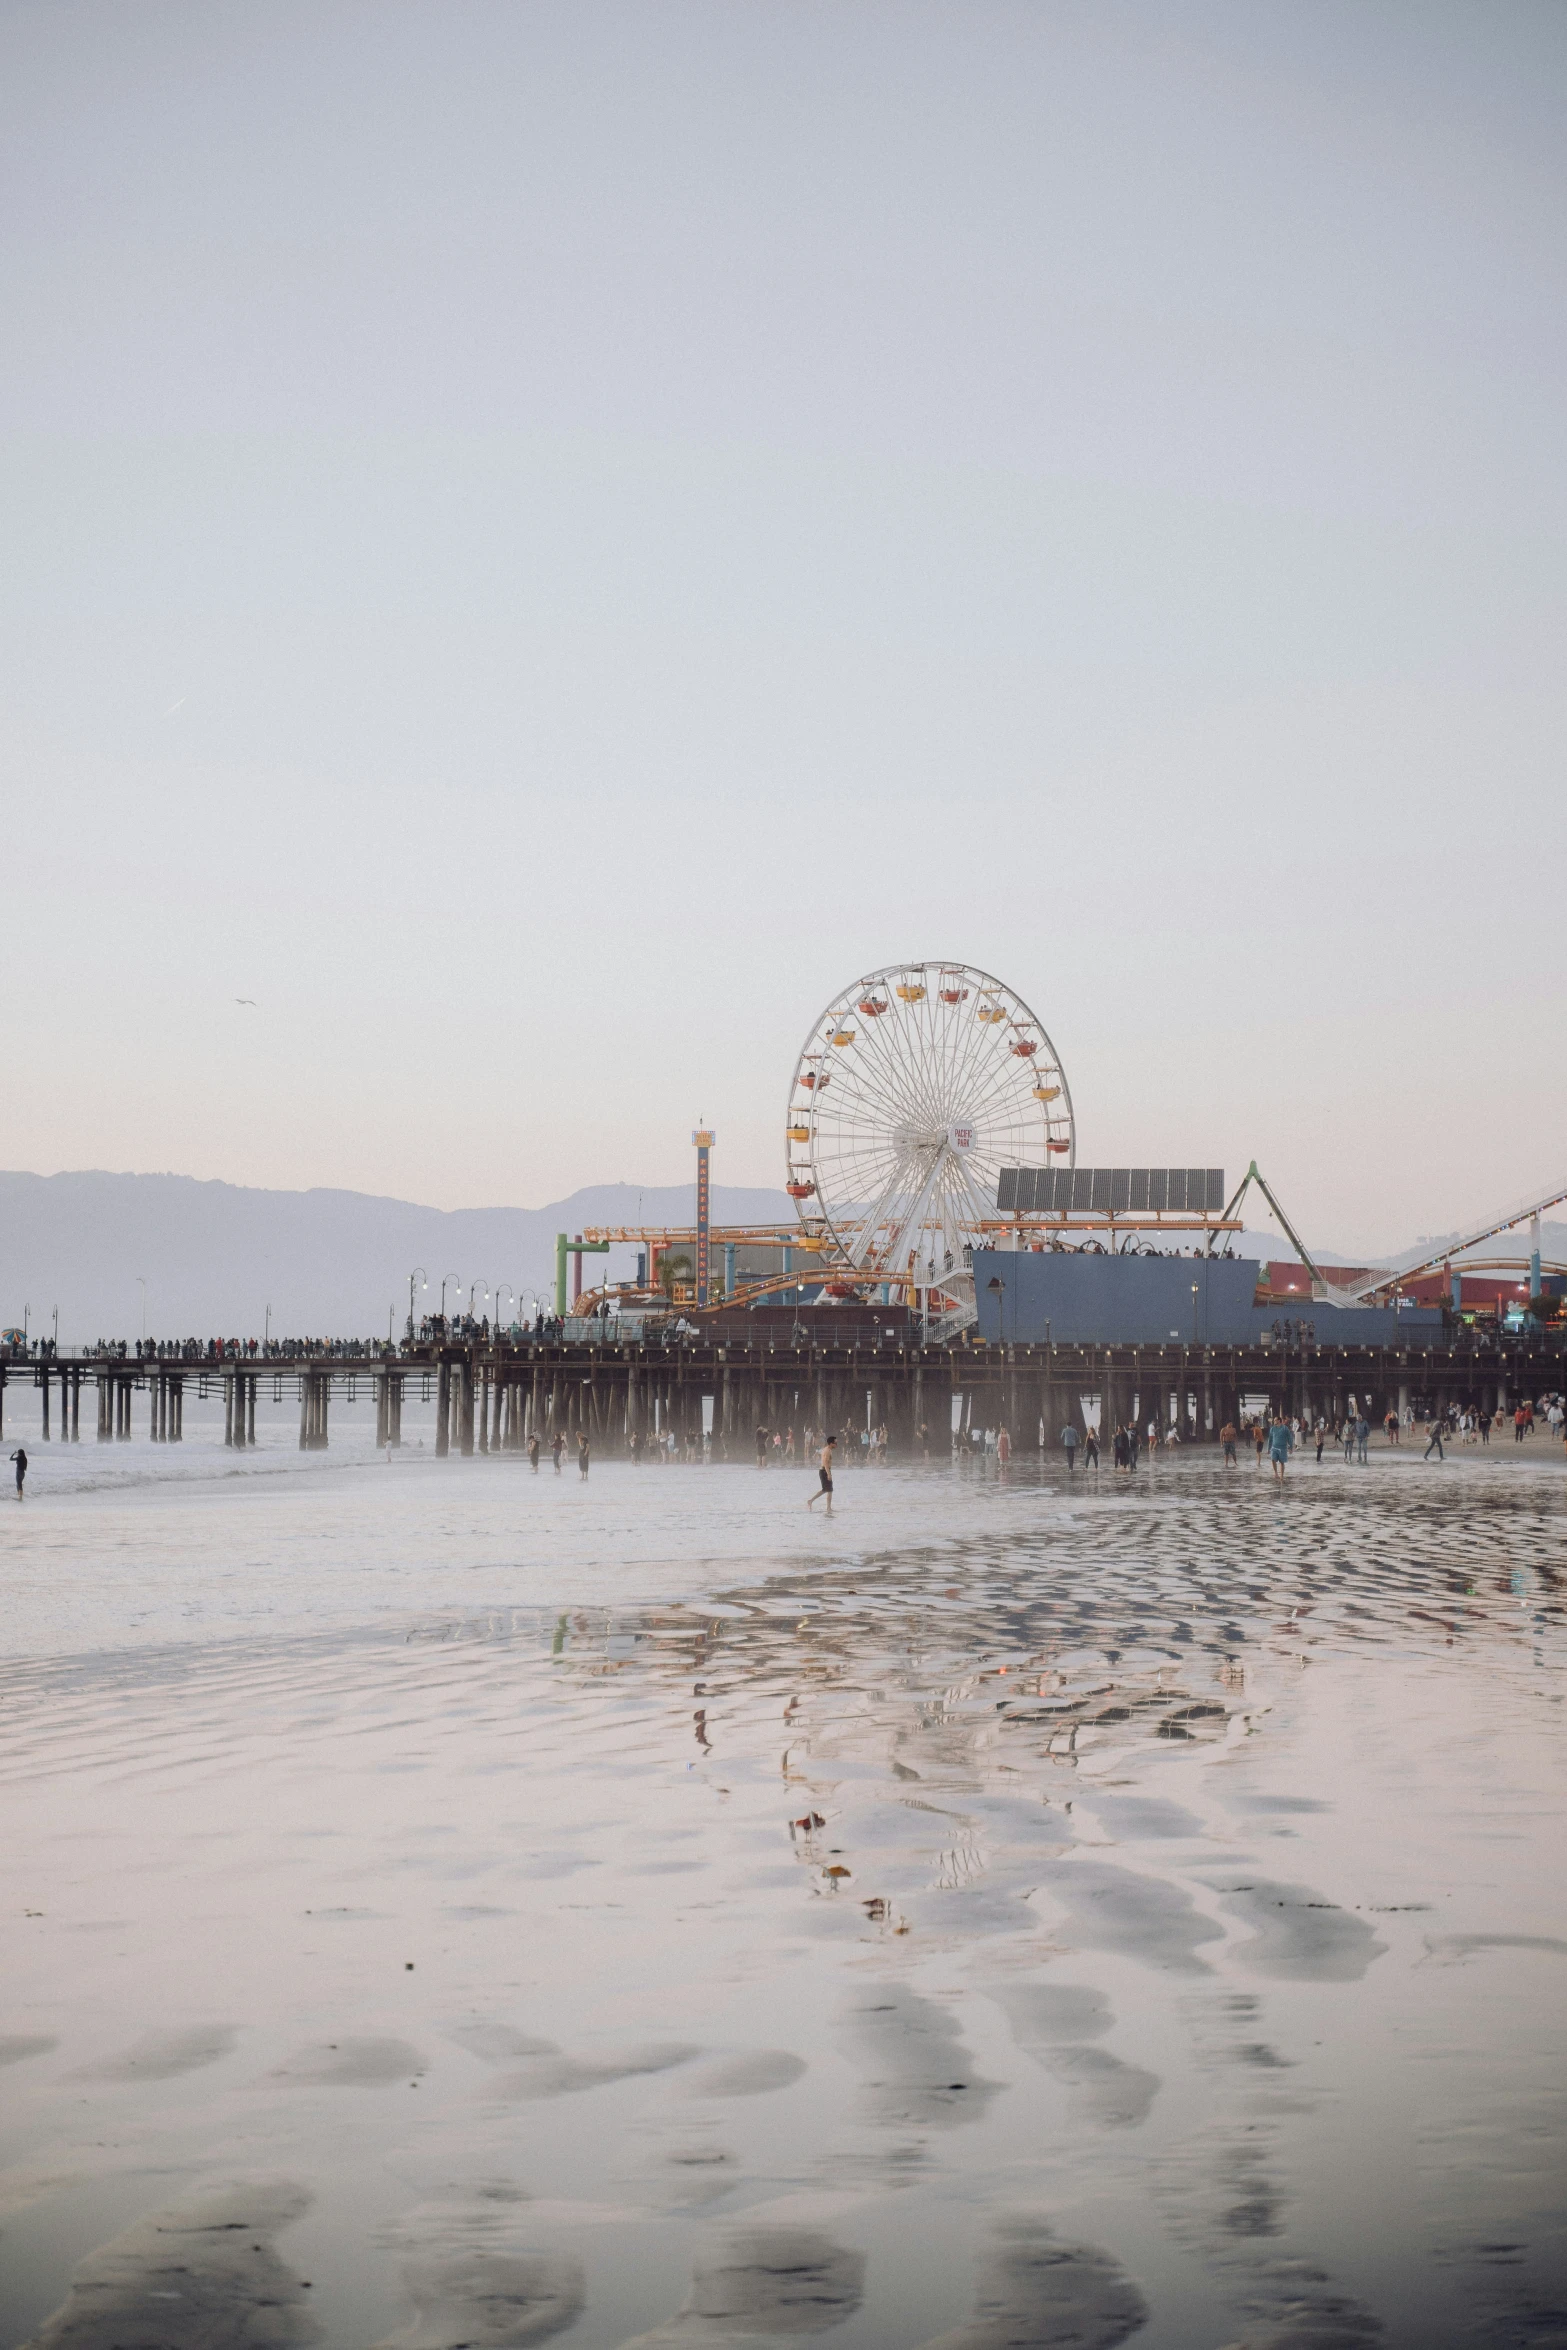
[(1281, 1439)]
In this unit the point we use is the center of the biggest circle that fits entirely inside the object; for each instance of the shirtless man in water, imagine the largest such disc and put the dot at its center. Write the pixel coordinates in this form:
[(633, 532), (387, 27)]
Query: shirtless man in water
[(824, 1465)]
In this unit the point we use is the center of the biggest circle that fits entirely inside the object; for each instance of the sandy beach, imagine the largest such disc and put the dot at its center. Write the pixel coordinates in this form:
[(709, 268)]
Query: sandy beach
[(447, 1905)]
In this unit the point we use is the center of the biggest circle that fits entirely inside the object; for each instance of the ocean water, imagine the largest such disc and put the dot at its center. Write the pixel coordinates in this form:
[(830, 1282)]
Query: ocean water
[(447, 1905)]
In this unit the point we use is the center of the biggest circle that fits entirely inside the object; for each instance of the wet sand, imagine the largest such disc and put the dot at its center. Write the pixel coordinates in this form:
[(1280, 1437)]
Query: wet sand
[(451, 1907)]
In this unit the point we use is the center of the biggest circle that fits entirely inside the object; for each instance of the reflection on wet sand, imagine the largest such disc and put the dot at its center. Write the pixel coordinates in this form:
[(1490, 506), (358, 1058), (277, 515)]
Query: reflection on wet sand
[(1125, 1917)]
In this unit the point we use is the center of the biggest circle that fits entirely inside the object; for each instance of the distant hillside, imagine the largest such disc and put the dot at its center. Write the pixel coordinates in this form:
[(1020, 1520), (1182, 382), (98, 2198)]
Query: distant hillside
[(214, 1256)]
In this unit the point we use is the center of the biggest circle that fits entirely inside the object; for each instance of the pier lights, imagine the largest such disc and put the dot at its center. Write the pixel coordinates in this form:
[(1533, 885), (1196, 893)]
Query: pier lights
[(142, 1278), (473, 1288), (421, 1278), (448, 1281), (495, 1293)]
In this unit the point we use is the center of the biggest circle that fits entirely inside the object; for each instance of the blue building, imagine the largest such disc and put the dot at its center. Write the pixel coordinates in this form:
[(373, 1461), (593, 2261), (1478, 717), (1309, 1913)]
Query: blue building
[(1084, 1299)]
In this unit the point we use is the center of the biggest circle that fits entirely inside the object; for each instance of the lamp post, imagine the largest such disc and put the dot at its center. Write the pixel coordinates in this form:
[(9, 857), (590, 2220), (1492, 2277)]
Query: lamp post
[(473, 1288), (999, 1286), (496, 1295), (266, 1342), (455, 1280), (418, 1274), (142, 1278)]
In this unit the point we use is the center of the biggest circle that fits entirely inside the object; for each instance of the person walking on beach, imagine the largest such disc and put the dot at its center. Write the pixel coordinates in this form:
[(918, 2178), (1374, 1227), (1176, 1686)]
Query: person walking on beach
[(1069, 1439), (533, 1453), (761, 1448), (1227, 1439), (1259, 1440), (1362, 1437), (824, 1471), (20, 1458), (1091, 1450), (582, 1455), (1281, 1439), (1322, 1430), (1435, 1444), (557, 1449)]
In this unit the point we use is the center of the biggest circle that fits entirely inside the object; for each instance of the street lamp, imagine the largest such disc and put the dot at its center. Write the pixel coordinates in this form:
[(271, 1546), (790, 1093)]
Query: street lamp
[(473, 1286), (418, 1274), (456, 1283), (496, 1294), (266, 1342), (999, 1286), (142, 1278)]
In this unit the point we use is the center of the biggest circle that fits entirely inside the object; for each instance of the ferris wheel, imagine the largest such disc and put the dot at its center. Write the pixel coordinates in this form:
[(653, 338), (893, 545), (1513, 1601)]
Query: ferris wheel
[(916, 1086)]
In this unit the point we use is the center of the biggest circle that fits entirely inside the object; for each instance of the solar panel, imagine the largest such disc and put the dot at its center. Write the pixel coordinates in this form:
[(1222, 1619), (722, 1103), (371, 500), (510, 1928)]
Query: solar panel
[(1119, 1191)]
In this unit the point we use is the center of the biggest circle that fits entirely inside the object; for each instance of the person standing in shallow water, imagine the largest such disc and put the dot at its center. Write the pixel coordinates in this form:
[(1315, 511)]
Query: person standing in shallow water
[(1069, 1439), (824, 1471), (557, 1449), (1281, 1438), (20, 1458), (533, 1454), (582, 1456)]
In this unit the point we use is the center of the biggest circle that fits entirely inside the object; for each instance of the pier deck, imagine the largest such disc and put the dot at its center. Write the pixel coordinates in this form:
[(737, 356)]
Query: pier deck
[(495, 1396)]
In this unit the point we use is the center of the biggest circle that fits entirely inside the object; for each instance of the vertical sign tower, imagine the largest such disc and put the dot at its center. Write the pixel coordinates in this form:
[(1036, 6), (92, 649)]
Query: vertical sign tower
[(703, 1140)]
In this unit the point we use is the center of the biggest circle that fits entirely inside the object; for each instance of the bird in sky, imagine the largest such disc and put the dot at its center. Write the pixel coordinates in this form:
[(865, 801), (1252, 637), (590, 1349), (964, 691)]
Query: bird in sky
[(248, 999)]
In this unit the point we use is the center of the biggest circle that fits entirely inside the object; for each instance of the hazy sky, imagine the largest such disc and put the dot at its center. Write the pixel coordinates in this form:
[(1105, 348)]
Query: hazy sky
[(539, 542)]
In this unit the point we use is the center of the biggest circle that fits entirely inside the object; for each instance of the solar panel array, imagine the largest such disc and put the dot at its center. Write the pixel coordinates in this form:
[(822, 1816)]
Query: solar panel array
[(1111, 1191)]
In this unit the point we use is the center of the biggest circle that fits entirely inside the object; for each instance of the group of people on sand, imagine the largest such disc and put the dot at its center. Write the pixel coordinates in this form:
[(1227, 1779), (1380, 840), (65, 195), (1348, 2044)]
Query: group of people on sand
[(557, 1452), (1126, 1443)]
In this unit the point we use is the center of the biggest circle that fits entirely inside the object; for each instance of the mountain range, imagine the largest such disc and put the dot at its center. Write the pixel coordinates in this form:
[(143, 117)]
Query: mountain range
[(203, 1259), (210, 1259)]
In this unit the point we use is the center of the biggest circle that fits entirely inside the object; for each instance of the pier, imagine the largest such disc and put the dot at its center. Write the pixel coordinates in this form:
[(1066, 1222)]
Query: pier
[(495, 1396)]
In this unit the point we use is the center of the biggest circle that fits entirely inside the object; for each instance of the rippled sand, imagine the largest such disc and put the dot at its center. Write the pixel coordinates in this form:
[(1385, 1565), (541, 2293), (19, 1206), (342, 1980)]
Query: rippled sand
[(446, 1906)]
